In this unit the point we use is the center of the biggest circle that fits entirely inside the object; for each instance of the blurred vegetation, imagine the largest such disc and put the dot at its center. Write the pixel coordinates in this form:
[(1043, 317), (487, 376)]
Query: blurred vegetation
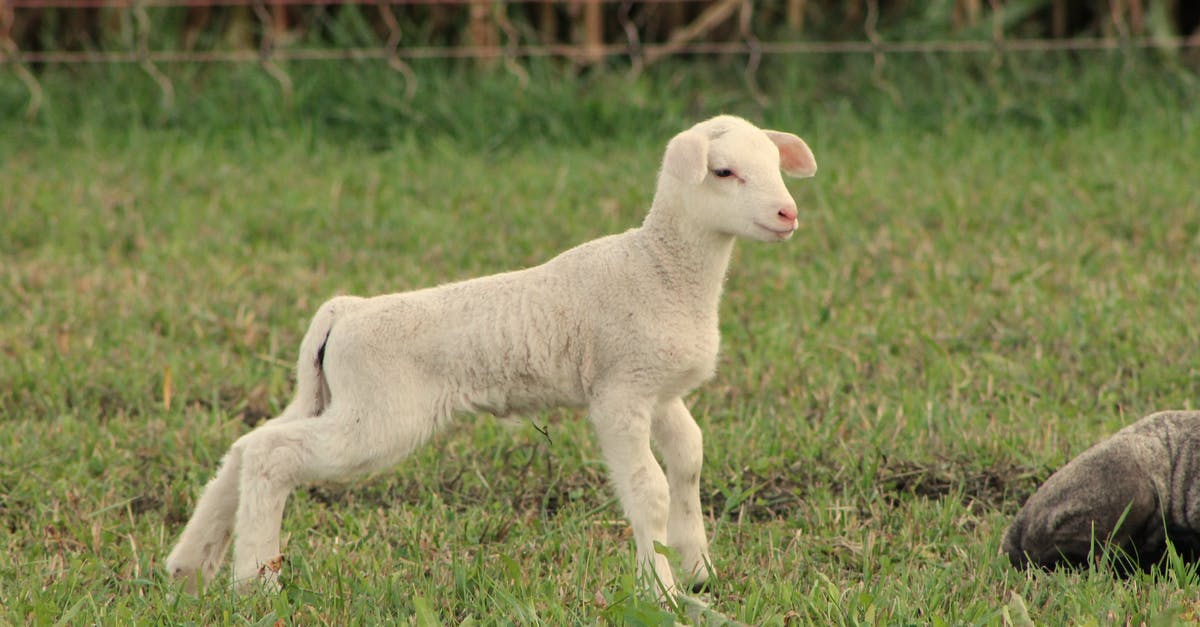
[(578, 93), (497, 111), (581, 22)]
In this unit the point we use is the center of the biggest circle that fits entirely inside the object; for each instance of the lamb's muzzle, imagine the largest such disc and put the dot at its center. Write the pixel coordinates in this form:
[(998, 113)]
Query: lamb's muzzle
[(624, 325)]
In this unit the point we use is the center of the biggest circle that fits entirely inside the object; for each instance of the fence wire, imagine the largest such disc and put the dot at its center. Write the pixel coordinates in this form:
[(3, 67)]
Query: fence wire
[(491, 36)]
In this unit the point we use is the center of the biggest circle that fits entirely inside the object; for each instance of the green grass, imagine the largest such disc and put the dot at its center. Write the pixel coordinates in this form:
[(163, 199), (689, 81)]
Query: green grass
[(991, 274)]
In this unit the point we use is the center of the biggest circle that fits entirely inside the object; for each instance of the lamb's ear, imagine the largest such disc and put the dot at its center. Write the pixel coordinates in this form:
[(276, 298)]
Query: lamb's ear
[(686, 158), (795, 159)]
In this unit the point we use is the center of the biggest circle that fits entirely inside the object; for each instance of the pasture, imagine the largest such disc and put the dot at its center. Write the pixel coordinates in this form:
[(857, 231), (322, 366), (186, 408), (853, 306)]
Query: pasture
[(996, 267)]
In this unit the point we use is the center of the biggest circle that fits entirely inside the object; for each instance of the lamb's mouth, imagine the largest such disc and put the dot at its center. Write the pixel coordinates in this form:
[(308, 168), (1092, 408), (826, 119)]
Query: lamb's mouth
[(780, 233)]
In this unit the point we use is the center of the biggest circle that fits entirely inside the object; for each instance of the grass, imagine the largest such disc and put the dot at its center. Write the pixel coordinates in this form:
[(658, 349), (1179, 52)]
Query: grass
[(990, 276)]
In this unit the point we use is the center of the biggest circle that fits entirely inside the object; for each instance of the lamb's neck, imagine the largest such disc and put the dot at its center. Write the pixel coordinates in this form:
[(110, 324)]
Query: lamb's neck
[(690, 260)]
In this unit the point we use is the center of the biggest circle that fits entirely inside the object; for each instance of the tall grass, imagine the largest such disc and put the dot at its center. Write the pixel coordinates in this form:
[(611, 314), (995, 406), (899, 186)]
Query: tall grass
[(997, 266), (366, 102)]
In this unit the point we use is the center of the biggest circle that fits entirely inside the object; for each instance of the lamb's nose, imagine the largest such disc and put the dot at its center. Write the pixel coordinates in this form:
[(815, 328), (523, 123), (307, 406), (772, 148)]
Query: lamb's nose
[(787, 213)]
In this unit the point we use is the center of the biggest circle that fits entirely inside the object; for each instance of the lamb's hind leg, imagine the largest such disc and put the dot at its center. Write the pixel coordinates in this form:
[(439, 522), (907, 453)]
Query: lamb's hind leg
[(681, 444), (348, 439), (206, 538), (202, 546)]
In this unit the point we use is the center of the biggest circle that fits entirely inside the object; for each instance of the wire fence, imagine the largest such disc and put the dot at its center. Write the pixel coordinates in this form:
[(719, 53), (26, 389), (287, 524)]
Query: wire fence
[(152, 33)]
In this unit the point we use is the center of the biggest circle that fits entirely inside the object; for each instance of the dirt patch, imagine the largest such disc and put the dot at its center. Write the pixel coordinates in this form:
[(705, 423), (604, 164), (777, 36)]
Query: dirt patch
[(534, 487), (524, 476), (783, 494), (1003, 486), (758, 496), (143, 503)]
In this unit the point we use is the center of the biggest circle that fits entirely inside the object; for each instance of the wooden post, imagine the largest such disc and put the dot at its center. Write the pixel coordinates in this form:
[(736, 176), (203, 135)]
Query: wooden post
[(1058, 19), (966, 13), (676, 18), (481, 28), (1137, 17), (547, 23), (854, 12), (795, 14), (593, 31), (8, 17), (279, 21)]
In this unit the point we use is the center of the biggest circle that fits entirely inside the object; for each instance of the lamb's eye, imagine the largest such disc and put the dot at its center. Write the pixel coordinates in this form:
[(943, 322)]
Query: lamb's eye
[(723, 173)]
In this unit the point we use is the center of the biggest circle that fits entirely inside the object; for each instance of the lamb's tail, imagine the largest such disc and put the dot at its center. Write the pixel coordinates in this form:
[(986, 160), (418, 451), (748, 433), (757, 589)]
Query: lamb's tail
[(312, 388)]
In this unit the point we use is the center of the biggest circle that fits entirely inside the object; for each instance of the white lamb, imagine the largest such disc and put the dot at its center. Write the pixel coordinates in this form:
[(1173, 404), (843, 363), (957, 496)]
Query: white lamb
[(624, 325)]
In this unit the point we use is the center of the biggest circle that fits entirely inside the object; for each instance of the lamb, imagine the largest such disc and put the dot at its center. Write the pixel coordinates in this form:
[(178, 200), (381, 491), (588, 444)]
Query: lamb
[(624, 325), (1134, 492)]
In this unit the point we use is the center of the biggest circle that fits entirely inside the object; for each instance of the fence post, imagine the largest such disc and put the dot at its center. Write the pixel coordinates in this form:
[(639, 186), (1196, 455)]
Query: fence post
[(633, 40), (143, 54), (392, 54), (1058, 19), (795, 14), (997, 33), (266, 50), (593, 31), (481, 30), (11, 56), (512, 43), (547, 22), (745, 25)]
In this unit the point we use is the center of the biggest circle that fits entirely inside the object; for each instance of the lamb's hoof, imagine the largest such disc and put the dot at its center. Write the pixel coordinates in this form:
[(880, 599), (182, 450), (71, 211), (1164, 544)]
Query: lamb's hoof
[(700, 578), (265, 579), (189, 581)]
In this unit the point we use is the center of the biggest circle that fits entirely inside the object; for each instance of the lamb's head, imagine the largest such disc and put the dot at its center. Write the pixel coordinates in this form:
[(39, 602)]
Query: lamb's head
[(726, 173)]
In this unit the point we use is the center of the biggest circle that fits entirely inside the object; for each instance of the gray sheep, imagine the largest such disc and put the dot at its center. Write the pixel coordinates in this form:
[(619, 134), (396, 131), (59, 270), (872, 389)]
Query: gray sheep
[(1133, 491)]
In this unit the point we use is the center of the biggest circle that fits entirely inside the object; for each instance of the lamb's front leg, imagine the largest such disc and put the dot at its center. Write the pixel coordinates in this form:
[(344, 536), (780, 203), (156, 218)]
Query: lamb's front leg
[(623, 430), (681, 444)]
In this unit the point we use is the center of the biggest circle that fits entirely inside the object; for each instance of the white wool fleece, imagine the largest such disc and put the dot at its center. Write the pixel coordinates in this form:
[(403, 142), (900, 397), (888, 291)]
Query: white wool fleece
[(624, 325)]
